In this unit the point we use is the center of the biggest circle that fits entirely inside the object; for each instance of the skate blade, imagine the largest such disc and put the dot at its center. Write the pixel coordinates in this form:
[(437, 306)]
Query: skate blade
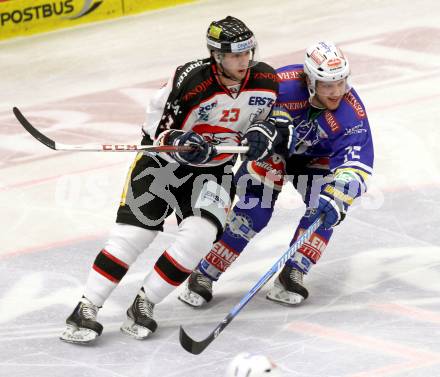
[(134, 330), (77, 335), (282, 296), (192, 299)]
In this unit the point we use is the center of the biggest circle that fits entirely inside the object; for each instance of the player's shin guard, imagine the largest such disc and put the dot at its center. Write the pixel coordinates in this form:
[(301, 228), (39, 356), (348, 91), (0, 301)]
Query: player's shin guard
[(193, 240), (242, 226), (198, 289), (258, 186), (81, 325), (248, 217), (289, 287), (309, 253), (125, 244)]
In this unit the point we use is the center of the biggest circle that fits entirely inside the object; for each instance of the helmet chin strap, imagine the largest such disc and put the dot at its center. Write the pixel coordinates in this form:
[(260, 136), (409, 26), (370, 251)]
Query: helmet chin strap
[(224, 74), (313, 103), (312, 95)]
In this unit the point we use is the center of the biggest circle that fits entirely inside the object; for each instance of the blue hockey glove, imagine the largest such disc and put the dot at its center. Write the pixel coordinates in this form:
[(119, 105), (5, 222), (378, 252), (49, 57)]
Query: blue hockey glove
[(334, 200), (261, 137), (329, 210), (284, 125), (336, 197), (202, 153)]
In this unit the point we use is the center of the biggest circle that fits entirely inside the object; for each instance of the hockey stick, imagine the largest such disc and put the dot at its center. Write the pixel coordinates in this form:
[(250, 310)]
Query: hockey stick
[(197, 347), (112, 147)]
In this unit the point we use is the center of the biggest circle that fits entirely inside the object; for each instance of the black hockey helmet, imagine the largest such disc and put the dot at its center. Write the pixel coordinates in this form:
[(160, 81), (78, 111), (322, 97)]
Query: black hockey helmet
[(230, 35)]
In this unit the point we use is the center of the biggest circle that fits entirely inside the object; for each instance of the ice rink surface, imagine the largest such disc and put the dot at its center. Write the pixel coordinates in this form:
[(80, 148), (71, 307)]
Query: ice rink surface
[(374, 306)]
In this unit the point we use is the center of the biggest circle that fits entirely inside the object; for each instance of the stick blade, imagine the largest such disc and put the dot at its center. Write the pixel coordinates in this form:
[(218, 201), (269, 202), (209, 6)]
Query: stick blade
[(193, 346), (32, 130)]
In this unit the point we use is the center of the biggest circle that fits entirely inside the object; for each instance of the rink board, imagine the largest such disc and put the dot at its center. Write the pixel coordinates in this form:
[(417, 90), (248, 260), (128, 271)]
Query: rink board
[(27, 17)]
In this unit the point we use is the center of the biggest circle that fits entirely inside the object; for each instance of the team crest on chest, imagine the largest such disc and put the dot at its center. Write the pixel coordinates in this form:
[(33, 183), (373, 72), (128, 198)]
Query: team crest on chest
[(204, 111)]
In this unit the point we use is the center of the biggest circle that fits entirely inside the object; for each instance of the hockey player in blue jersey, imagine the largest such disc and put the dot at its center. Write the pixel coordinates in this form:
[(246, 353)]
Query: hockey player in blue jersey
[(329, 165)]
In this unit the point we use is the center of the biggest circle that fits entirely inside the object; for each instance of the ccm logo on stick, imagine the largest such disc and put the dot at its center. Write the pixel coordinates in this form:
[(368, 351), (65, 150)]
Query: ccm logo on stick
[(118, 147)]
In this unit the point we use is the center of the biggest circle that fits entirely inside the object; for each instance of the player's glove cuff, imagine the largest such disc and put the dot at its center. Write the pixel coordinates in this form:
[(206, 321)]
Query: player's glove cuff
[(201, 153), (261, 137), (286, 130), (167, 137)]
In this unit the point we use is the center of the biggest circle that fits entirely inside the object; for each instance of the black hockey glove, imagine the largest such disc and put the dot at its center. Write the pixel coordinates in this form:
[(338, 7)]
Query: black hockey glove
[(284, 125), (202, 152), (261, 137)]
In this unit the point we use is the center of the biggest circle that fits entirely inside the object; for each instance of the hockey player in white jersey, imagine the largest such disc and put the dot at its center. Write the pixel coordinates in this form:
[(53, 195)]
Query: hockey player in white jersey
[(329, 166), (222, 100)]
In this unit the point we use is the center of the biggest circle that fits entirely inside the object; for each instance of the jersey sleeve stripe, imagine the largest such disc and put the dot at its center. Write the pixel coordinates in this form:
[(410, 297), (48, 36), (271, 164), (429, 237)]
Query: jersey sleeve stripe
[(357, 164), (360, 173)]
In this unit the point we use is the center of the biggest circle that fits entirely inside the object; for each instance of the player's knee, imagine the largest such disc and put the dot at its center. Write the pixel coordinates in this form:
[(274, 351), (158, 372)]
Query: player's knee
[(198, 230), (193, 241), (127, 242), (246, 223), (212, 205), (241, 228)]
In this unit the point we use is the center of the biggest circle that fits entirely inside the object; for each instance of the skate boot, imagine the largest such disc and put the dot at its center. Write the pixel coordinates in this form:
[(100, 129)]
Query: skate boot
[(198, 290), (140, 323), (81, 325), (288, 287)]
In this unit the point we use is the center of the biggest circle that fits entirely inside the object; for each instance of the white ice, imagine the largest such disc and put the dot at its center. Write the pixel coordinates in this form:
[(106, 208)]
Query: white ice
[(374, 296)]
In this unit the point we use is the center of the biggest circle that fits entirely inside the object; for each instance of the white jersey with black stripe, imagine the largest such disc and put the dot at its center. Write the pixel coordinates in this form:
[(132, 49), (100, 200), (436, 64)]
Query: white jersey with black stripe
[(194, 99)]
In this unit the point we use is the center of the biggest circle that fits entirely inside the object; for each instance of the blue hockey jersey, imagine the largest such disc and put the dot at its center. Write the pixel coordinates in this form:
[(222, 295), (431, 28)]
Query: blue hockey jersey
[(343, 135)]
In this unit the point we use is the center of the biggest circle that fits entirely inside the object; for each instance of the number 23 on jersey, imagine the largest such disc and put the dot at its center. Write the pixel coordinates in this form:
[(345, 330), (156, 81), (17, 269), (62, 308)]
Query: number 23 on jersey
[(230, 115)]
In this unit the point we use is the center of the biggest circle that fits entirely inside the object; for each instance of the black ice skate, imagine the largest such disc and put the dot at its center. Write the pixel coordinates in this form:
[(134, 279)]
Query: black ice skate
[(81, 325), (140, 323), (198, 290), (288, 287)]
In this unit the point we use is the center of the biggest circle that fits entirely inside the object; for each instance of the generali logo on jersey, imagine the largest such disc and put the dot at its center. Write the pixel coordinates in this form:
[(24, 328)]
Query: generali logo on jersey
[(295, 105), (290, 75), (356, 105)]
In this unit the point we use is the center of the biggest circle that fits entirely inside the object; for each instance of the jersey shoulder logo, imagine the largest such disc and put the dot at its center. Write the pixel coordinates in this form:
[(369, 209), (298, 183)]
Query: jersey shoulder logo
[(185, 70), (355, 105), (332, 121)]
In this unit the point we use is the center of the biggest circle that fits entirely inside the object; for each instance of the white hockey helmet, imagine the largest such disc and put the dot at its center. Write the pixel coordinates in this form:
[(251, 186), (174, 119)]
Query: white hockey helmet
[(325, 62), (249, 365)]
